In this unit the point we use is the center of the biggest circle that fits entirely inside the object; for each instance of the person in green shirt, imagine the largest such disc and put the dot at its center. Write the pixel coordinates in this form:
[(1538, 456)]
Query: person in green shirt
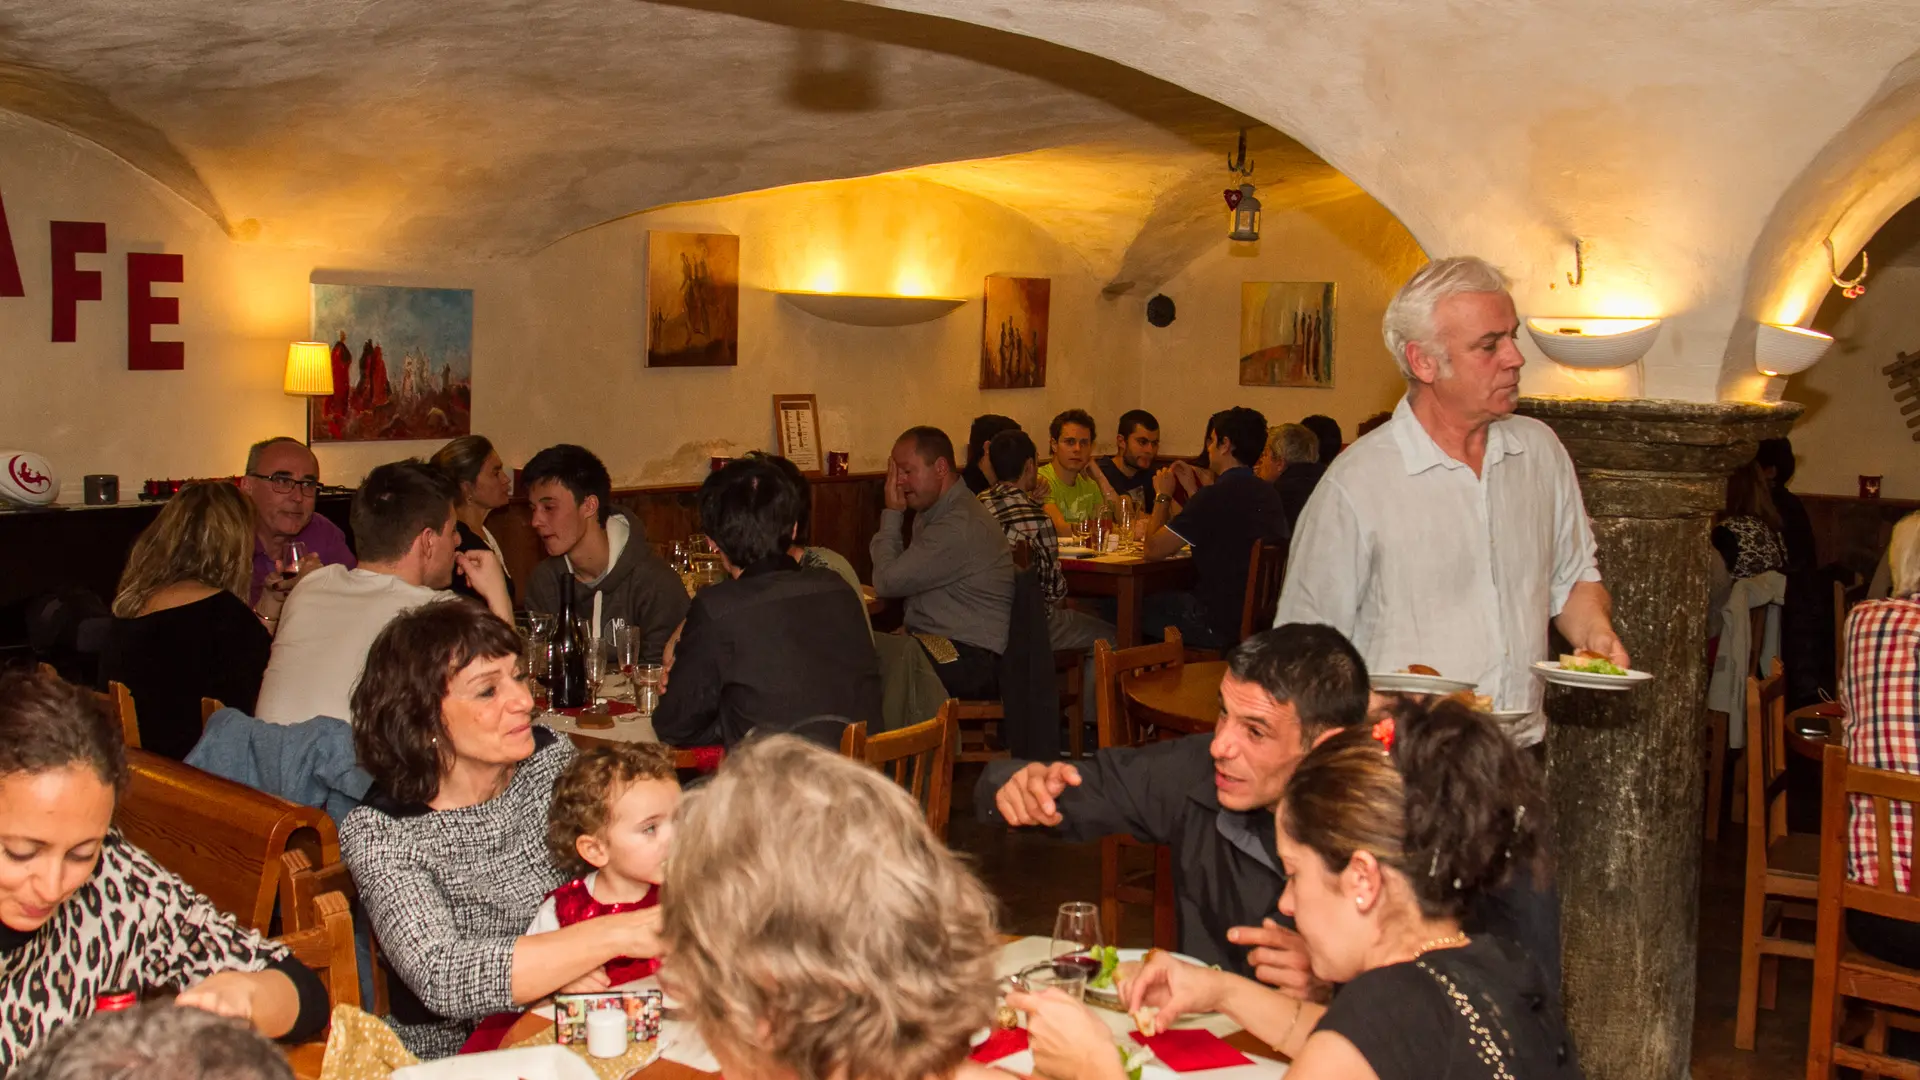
[(1072, 493)]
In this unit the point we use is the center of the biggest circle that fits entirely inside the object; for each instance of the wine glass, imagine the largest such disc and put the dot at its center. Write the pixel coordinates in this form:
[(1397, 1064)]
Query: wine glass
[(596, 665), (540, 668), (1082, 531), (1076, 934), (627, 643)]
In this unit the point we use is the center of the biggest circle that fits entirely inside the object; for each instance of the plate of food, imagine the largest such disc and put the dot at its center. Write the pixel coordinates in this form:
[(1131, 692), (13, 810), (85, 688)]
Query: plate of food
[(1589, 671), (1416, 679), (1103, 988)]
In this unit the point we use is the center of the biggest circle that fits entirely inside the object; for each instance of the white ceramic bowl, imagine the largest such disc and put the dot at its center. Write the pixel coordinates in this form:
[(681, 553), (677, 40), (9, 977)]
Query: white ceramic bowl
[(1594, 343), (1788, 350)]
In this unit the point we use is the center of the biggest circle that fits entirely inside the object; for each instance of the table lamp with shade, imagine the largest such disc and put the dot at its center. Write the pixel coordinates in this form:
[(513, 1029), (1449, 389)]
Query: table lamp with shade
[(309, 375)]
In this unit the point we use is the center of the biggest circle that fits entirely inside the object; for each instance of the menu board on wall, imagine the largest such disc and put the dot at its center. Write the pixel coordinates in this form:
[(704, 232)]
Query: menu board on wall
[(796, 421)]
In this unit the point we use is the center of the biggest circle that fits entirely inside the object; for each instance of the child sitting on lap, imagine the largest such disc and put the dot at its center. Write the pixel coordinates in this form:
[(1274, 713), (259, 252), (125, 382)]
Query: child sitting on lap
[(611, 825)]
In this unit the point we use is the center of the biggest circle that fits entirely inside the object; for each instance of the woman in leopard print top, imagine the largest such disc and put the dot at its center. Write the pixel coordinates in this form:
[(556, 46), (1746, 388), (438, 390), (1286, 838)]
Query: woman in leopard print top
[(84, 913)]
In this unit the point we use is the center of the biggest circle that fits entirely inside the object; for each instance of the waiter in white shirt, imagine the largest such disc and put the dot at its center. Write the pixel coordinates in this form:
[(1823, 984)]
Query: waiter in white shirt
[(1453, 533)]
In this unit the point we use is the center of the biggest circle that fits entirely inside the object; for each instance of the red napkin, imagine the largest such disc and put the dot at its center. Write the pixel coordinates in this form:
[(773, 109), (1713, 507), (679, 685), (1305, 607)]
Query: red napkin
[(1004, 1042), (1191, 1049)]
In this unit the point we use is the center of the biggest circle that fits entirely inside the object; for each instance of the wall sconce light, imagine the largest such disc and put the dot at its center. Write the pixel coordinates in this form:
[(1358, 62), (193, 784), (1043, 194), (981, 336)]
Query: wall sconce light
[(1241, 202), (1788, 350), (309, 375), (1594, 343)]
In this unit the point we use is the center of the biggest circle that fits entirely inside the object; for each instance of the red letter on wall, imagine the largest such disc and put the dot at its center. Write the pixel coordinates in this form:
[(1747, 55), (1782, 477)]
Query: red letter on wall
[(145, 310), (70, 283), (9, 265)]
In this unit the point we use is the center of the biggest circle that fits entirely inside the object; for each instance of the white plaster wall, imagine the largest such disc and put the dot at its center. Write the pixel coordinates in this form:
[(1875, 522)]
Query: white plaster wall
[(1852, 425), (1191, 369)]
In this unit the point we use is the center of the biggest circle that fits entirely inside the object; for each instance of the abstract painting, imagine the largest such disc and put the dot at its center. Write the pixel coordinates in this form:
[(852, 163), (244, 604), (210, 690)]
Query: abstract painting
[(1013, 338), (693, 300), (402, 363), (1286, 333)]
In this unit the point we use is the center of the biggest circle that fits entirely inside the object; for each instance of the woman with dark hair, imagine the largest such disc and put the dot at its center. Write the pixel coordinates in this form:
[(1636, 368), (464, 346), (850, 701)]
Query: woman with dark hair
[(1388, 838), (84, 913), (182, 630), (472, 463), (1747, 535), (449, 848), (976, 475)]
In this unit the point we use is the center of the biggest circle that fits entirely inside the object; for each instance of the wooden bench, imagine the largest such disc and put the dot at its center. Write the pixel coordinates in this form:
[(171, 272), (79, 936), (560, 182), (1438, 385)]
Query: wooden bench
[(224, 839)]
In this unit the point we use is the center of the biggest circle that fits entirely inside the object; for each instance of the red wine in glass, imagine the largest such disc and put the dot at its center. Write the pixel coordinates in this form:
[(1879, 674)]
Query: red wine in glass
[(1076, 933), (1082, 963)]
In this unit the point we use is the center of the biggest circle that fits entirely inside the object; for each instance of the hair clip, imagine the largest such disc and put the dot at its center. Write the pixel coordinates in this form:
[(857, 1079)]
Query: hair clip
[(1433, 868), (1383, 734)]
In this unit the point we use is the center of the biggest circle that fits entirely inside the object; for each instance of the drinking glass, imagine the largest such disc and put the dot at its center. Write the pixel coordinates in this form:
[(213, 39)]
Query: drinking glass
[(646, 687), (1124, 519), (1076, 933), (627, 645), (1082, 531), (540, 668), (543, 623), (596, 665), (296, 550), (1070, 980)]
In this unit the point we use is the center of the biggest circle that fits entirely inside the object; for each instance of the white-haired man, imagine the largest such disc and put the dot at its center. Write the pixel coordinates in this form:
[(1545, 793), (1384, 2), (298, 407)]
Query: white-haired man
[(1454, 533)]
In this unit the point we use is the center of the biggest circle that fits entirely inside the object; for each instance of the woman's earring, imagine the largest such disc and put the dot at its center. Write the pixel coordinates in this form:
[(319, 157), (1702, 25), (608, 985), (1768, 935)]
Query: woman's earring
[(1359, 901)]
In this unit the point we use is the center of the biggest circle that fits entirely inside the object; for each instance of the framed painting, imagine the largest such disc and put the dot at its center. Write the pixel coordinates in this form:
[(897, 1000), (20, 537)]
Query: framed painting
[(693, 299), (1013, 336), (1286, 333), (402, 363), (796, 427)]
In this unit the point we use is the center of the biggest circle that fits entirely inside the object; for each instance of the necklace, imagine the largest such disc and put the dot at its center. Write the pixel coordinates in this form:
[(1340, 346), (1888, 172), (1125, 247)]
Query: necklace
[(1455, 938)]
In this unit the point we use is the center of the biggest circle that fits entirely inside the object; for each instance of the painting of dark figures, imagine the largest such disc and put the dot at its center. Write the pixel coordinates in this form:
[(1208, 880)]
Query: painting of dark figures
[(1013, 339), (693, 300), (402, 363), (1286, 333)]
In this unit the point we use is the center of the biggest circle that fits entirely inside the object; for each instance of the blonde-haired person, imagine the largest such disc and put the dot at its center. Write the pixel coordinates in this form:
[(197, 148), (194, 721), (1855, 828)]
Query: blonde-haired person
[(1389, 837), (473, 463), (881, 957), (1880, 686), (182, 629)]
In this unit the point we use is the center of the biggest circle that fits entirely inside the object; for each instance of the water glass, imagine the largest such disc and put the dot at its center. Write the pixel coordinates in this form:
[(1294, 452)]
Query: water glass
[(296, 550), (1069, 979), (1076, 934), (646, 687)]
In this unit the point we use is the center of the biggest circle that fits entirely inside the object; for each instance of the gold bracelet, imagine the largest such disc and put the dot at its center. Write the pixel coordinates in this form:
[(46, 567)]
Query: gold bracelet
[(1298, 1008)]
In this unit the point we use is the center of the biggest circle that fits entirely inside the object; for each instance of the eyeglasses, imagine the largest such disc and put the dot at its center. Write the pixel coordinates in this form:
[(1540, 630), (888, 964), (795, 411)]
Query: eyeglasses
[(284, 483)]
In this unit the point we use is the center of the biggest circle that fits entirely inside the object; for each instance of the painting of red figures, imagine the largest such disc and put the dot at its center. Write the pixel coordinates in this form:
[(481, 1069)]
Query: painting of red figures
[(1286, 333), (1013, 339), (693, 299), (402, 363)]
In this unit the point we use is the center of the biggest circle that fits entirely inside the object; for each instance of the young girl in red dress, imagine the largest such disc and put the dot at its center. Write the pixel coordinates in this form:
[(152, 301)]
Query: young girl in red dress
[(611, 825)]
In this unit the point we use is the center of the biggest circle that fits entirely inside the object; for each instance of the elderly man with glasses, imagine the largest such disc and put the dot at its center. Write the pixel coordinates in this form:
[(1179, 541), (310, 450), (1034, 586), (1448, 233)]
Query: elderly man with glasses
[(281, 480)]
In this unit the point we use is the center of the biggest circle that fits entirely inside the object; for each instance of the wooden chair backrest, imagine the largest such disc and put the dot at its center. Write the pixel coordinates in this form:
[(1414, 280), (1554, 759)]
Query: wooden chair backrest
[(920, 759), (1757, 639), (1110, 665), (1840, 610), (1766, 764), (853, 741), (327, 948), (222, 838), (1266, 569), (1883, 788), (1021, 551), (209, 706), (119, 701), (301, 886)]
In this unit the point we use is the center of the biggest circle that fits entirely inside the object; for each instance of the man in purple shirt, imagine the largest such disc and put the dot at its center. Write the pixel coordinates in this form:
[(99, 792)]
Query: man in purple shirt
[(281, 480)]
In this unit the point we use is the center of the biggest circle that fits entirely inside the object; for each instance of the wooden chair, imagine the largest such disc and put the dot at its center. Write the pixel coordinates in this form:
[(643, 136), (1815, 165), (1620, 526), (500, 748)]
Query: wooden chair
[(119, 701), (1841, 608), (222, 838), (853, 742), (1717, 724), (1266, 569), (1121, 883), (1839, 969), (1782, 867), (209, 706), (302, 886), (326, 948), (920, 759)]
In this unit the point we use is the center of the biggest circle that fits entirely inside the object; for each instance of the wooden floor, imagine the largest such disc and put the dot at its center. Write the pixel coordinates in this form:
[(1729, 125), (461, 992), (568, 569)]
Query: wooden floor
[(1033, 875)]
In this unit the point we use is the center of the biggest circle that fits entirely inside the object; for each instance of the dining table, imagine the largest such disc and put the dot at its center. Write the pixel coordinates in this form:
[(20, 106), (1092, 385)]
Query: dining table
[(1812, 728), (1127, 577), (1182, 697), (1016, 954)]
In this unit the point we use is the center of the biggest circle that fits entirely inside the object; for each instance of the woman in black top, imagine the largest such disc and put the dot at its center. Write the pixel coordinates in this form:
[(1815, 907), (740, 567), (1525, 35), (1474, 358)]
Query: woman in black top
[(1387, 837), (182, 628), (484, 487), (1747, 536), (978, 436)]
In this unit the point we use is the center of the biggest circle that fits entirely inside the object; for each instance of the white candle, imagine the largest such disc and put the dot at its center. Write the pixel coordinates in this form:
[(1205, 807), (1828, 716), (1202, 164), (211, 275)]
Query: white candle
[(607, 1032)]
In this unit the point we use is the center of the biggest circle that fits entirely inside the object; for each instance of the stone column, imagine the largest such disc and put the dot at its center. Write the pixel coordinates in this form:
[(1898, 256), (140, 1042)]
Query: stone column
[(1624, 770)]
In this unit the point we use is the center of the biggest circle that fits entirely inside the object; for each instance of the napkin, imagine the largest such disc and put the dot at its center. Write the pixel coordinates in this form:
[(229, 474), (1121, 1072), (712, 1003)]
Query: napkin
[(1002, 1043), (361, 1047), (529, 1063), (1190, 1049)]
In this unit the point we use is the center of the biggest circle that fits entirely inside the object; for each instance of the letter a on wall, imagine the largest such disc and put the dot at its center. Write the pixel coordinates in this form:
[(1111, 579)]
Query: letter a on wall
[(70, 283), (145, 310)]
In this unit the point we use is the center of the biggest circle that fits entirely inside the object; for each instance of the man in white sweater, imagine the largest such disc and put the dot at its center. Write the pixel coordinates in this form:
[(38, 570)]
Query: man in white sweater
[(404, 528)]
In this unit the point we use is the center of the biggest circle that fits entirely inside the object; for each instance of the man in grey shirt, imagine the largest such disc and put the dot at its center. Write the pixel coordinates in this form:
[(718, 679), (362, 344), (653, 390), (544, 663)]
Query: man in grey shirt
[(957, 577)]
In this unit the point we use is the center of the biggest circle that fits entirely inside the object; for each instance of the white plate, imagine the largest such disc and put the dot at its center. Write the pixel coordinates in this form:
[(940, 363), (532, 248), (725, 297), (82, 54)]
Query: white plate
[(1510, 716), (1112, 993), (1400, 682), (1551, 671), (1075, 551)]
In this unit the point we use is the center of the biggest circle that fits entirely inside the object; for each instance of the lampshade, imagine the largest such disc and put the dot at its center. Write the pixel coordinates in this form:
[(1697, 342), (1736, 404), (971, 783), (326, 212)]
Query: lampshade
[(1788, 350), (1594, 343), (309, 369)]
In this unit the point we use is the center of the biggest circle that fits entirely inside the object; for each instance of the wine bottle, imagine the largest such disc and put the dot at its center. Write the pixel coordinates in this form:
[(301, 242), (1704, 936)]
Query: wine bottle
[(569, 663)]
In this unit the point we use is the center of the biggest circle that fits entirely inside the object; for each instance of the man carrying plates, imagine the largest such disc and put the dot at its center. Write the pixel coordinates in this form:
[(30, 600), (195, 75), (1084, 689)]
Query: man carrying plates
[(1452, 535)]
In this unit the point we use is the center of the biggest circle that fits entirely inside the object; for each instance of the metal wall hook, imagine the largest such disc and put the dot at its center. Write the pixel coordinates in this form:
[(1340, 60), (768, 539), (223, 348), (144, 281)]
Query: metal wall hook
[(1238, 163), (1579, 275), (1850, 289)]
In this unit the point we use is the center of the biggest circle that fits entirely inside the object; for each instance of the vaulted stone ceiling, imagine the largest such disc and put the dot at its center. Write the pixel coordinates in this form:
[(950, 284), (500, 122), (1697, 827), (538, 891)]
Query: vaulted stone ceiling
[(419, 129)]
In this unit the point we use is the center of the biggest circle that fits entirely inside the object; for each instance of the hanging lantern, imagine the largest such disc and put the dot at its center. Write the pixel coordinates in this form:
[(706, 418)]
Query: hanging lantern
[(1246, 214)]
